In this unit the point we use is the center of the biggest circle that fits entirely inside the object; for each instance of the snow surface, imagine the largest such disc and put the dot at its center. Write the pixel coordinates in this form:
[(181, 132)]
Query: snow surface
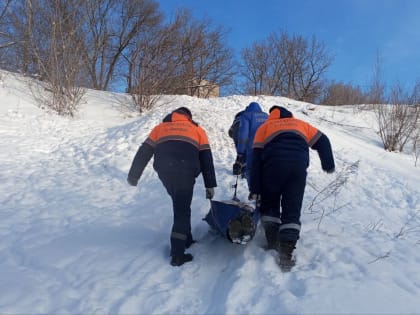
[(76, 238)]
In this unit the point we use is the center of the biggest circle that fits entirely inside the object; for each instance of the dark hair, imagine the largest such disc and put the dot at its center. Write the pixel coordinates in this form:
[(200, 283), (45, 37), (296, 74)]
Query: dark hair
[(184, 110), (284, 113)]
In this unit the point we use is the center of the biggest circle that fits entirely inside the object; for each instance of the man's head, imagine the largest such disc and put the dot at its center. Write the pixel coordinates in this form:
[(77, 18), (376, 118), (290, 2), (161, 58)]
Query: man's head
[(183, 110), (284, 113), (253, 106)]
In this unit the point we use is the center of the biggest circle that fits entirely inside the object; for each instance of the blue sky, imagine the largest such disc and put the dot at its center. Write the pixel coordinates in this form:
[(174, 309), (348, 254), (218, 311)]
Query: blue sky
[(353, 30)]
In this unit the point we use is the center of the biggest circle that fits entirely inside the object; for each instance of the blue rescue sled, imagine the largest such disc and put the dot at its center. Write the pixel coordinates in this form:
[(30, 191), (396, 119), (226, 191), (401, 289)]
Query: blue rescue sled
[(235, 220)]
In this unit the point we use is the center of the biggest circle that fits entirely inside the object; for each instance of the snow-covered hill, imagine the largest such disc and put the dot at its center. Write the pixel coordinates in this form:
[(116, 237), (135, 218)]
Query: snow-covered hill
[(75, 238)]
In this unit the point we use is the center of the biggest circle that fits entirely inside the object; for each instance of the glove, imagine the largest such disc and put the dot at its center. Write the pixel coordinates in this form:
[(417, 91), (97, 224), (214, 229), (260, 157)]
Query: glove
[(132, 181), (237, 168), (329, 171), (209, 193), (239, 165)]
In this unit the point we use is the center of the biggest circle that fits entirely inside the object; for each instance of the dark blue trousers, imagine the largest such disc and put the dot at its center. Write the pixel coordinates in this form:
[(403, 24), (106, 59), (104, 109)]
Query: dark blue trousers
[(283, 186), (180, 186)]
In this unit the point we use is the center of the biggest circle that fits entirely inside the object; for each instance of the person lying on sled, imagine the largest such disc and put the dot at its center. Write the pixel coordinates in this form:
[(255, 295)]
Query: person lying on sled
[(235, 220)]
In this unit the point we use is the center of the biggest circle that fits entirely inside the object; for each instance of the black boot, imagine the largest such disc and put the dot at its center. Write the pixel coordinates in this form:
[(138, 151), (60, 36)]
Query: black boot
[(271, 231), (285, 249), (248, 227), (178, 260), (235, 231)]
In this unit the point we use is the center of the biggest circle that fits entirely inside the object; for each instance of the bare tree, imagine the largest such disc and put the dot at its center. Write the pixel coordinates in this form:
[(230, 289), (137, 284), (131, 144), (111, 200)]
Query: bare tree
[(15, 26), (112, 27), (54, 45), (377, 89), (343, 94), (183, 57), (22, 31), (257, 62), (285, 65), (152, 67), (5, 39), (416, 145), (398, 120), (307, 81), (415, 136), (264, 67), (205, 60)]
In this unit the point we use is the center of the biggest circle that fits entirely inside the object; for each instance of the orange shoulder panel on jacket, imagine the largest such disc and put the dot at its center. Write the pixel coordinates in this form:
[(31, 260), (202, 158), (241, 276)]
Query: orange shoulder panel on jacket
[(203, 140), (153, 136), (179, 129), (274, 127)]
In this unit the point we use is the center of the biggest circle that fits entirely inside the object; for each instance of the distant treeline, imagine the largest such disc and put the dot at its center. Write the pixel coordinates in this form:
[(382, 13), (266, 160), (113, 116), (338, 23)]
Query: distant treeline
[(128, 45)]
